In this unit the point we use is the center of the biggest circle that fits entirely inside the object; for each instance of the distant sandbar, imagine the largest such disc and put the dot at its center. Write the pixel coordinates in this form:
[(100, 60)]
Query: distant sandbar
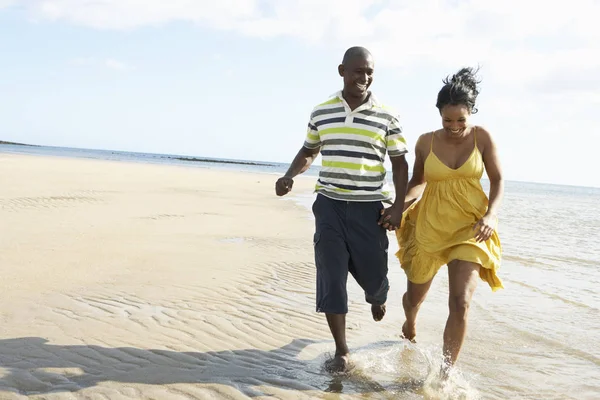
[(212, 160), (15, 144)]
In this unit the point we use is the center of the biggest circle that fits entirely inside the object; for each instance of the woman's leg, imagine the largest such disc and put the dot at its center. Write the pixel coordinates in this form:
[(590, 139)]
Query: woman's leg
[(463, 277), (411, 301)]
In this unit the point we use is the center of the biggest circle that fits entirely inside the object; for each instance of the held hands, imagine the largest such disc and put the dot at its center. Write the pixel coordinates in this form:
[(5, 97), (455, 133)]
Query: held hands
[(283, 186), (484, 227), (391, 218)]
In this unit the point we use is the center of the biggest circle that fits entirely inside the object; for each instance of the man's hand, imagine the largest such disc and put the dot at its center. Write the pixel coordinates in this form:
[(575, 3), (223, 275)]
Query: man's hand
[(391, 217), (301, 163), (283, 186)]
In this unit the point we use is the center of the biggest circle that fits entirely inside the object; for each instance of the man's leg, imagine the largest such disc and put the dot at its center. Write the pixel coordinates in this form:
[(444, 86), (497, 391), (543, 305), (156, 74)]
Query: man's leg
[(331, 260), (368, 246), (341, 360)]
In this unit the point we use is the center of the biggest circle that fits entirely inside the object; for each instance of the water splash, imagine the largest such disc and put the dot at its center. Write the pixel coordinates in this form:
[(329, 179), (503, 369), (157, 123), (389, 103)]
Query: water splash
[(402, 370)]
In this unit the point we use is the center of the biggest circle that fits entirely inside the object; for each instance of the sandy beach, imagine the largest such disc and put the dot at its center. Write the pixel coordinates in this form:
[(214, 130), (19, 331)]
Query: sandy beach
[(138, 281), (125, 280)]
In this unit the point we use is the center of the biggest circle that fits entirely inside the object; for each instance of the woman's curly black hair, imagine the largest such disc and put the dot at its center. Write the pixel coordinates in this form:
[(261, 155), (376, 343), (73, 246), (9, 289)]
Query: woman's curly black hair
[(460, 89)]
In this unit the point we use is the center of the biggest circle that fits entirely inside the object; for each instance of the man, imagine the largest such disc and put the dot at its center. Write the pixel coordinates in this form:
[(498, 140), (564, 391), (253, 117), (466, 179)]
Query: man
[(353, 132)]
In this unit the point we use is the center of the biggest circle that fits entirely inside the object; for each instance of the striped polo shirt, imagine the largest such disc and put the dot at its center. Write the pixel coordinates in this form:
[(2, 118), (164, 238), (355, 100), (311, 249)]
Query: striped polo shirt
[(353, 147)]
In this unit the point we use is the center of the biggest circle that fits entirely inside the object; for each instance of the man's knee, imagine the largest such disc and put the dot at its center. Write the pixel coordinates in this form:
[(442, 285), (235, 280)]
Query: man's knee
[(332, 297), (376, 292), (331, 259), (370, 263)]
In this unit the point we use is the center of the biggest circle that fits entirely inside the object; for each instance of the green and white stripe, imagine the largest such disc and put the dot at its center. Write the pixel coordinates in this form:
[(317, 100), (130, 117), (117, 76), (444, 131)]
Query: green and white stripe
[(353, 146)]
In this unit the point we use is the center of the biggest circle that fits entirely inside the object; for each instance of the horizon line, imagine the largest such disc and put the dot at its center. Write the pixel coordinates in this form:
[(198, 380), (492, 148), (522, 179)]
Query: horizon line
[(246, 161)]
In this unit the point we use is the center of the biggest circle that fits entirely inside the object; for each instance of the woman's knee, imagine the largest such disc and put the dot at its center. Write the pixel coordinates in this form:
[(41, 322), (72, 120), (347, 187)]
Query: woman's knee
[(459, 305), (463, 281), (415, 294)]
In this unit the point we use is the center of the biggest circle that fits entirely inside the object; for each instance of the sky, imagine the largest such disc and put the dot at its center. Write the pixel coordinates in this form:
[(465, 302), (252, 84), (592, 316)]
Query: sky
[(238, 78)]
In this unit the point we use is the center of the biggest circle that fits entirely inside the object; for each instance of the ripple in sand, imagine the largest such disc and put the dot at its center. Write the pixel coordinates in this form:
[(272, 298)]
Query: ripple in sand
[(197, 343), (163, 216), (40, 203), (235, 240)]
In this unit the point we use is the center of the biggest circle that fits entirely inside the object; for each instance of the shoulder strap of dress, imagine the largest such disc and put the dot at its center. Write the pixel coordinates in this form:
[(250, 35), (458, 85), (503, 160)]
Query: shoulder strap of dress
[(431, 144), (475, 135)]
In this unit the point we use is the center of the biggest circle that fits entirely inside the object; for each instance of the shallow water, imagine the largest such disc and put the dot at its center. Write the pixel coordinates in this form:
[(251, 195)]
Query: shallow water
[(538, 338)]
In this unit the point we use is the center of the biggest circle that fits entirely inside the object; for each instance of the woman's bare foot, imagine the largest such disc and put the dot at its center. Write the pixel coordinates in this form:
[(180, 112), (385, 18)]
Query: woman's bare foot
[(340, 363), (409, 329), (445, 370), (409, 332), (378, 312)]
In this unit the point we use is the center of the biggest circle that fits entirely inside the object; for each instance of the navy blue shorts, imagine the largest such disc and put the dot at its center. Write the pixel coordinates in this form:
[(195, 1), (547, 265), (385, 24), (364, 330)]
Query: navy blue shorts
[(348, 239)]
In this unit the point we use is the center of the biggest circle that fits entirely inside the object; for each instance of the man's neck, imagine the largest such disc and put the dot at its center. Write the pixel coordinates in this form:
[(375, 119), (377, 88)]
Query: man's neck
[(355, 102)]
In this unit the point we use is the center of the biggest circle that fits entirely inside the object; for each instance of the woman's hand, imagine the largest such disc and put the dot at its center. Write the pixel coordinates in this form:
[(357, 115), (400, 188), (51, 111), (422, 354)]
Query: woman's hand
[(485, 227)]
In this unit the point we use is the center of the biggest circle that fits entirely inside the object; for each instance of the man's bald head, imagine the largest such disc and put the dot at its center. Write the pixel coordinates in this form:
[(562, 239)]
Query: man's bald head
[(357, 70), (356, 52)]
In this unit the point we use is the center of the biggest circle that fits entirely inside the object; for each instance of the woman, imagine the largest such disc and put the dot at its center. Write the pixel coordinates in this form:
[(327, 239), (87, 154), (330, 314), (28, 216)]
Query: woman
[(453, 223)]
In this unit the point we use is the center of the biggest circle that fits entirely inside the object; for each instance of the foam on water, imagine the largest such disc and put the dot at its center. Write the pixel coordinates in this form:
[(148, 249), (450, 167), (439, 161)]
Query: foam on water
[(396, 370)]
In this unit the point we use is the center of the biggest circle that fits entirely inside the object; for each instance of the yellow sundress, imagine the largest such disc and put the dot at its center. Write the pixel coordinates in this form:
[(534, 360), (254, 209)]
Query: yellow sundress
[(438, 228)]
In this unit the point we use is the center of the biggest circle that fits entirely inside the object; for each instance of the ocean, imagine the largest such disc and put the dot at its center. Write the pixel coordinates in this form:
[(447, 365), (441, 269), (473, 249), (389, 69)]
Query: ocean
[(539, 338)]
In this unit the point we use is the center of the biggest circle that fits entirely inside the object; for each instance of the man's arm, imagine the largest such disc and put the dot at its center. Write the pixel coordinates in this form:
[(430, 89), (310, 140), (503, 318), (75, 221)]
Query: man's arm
[(392, 217), (302, 161), (400, 179), (397, 149)]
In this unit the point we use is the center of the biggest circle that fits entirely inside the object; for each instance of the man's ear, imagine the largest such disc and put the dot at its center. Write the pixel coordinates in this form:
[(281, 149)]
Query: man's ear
[(341, 70)]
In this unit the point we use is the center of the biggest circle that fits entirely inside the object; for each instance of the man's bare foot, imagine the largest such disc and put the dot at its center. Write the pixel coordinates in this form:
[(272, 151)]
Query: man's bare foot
[(378, 312), (409, 332), (338, 364)]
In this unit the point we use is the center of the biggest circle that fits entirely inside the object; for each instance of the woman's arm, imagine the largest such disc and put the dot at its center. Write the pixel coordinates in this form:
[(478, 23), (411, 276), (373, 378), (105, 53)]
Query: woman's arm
[(486, 226), (494, 173), (417, 183)]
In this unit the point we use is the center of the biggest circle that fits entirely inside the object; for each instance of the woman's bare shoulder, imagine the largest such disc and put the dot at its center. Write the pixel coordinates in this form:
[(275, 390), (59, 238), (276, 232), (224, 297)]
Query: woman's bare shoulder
[(484, 137), (424, 143), (483, 133)]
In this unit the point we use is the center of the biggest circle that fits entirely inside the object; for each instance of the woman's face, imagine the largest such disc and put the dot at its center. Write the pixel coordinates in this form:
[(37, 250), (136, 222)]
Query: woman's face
[(455, 119)]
